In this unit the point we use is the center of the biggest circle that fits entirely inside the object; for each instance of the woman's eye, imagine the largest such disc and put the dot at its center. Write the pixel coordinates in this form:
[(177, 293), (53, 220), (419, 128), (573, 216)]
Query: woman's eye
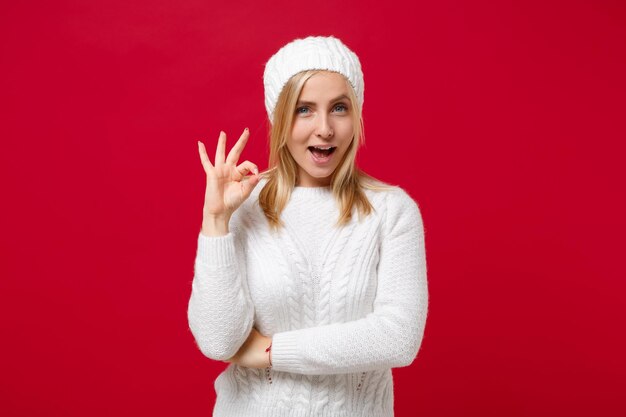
[(301, 110), (341, 107)]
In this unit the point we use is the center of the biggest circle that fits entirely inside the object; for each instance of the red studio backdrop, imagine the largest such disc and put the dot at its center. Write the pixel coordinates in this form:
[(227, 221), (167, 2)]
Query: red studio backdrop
[(504, 120)]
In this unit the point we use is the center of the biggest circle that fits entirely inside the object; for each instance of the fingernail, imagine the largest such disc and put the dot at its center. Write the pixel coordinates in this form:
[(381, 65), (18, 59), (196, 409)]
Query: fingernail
[(256, 171)]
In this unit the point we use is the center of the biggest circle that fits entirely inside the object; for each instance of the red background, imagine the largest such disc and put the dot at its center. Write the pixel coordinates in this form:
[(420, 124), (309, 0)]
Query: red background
[(504, 120)]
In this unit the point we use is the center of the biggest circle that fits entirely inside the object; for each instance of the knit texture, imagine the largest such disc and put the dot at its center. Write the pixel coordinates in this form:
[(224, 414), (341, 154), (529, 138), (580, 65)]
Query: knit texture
[(313, 52), (343, 305)]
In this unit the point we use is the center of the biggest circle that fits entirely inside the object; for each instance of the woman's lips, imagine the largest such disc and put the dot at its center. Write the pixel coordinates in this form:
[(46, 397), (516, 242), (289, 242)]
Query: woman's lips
[(320, 160)]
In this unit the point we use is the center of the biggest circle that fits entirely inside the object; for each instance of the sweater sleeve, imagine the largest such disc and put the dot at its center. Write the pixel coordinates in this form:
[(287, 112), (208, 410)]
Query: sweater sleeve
[(388, 337), (220, 311)]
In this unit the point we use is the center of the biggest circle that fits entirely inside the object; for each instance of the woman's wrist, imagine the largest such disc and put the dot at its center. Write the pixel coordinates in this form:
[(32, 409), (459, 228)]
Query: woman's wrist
[(269, 353), (215, 225)]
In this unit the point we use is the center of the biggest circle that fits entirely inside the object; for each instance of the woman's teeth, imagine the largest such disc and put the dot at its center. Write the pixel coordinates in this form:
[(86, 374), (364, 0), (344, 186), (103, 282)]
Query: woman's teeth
[(321, 152)]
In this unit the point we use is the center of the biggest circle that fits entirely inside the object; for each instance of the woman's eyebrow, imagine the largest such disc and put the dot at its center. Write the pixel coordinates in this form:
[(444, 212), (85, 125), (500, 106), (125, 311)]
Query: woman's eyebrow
[(303, 102)]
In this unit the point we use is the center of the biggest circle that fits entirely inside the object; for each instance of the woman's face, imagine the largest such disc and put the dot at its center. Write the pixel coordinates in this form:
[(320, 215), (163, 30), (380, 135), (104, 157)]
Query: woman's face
[(322, 120)]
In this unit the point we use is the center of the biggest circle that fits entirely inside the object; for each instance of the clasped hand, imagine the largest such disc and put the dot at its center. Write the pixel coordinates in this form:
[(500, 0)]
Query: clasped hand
[(252, 353)]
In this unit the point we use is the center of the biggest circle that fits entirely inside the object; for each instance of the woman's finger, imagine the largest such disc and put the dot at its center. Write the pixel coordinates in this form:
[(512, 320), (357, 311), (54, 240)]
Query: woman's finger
[(221, 149), (204, 158), (247, 166), (235, 152), (248, 186)]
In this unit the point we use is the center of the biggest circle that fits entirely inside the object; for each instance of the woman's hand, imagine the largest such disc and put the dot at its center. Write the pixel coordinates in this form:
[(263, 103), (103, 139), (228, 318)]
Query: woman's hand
[(252, 353), (227, 186)]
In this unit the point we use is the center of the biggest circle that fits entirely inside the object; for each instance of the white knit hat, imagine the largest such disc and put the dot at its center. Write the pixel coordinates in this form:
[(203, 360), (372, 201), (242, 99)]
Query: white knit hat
[(313, 52)]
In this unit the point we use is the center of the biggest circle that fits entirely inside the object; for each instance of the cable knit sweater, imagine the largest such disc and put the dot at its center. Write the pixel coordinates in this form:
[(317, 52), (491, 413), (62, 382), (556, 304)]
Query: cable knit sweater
[(343, 305)]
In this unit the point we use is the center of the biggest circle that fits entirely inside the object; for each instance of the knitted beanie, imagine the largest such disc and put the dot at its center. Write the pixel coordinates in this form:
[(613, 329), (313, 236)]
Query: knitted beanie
[(313, 52)]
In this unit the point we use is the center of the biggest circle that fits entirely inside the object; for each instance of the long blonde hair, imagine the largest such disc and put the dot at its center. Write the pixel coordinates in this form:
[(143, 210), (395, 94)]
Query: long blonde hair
[(347, 181)]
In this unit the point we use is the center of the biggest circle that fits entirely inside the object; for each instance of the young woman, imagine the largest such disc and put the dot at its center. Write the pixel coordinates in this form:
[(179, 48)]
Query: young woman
[(310, 278)]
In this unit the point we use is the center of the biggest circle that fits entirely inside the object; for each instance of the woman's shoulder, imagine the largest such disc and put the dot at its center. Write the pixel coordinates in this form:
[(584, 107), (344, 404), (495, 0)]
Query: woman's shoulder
[(390, 193), (396, 201)]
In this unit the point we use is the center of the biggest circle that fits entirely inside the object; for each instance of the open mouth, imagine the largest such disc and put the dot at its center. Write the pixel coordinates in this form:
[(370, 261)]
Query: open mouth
[(322, 152)]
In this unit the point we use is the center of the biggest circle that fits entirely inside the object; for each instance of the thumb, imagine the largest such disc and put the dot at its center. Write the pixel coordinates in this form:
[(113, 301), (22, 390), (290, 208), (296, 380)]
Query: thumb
[(249, 185)]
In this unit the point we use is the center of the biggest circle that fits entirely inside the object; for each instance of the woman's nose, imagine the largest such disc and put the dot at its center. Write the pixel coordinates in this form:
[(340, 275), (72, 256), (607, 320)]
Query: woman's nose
[(323, 128)]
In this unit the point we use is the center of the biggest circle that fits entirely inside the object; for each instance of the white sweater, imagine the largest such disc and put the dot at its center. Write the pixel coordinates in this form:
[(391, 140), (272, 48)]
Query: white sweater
[(343, 305)]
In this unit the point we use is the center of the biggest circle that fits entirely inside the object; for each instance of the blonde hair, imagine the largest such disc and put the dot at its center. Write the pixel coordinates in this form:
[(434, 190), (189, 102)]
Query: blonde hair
[(347, 181)]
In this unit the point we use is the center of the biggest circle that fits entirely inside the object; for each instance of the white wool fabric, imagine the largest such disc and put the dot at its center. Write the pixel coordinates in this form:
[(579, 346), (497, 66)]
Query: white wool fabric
[(343, 305), (313, 52)]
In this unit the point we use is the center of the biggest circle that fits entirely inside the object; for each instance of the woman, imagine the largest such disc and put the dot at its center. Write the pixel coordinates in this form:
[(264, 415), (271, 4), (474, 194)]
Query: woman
[(310, 278)]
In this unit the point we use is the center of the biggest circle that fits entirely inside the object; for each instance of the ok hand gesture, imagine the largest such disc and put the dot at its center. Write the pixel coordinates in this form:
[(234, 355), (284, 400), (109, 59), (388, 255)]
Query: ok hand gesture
[(227, 186)]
